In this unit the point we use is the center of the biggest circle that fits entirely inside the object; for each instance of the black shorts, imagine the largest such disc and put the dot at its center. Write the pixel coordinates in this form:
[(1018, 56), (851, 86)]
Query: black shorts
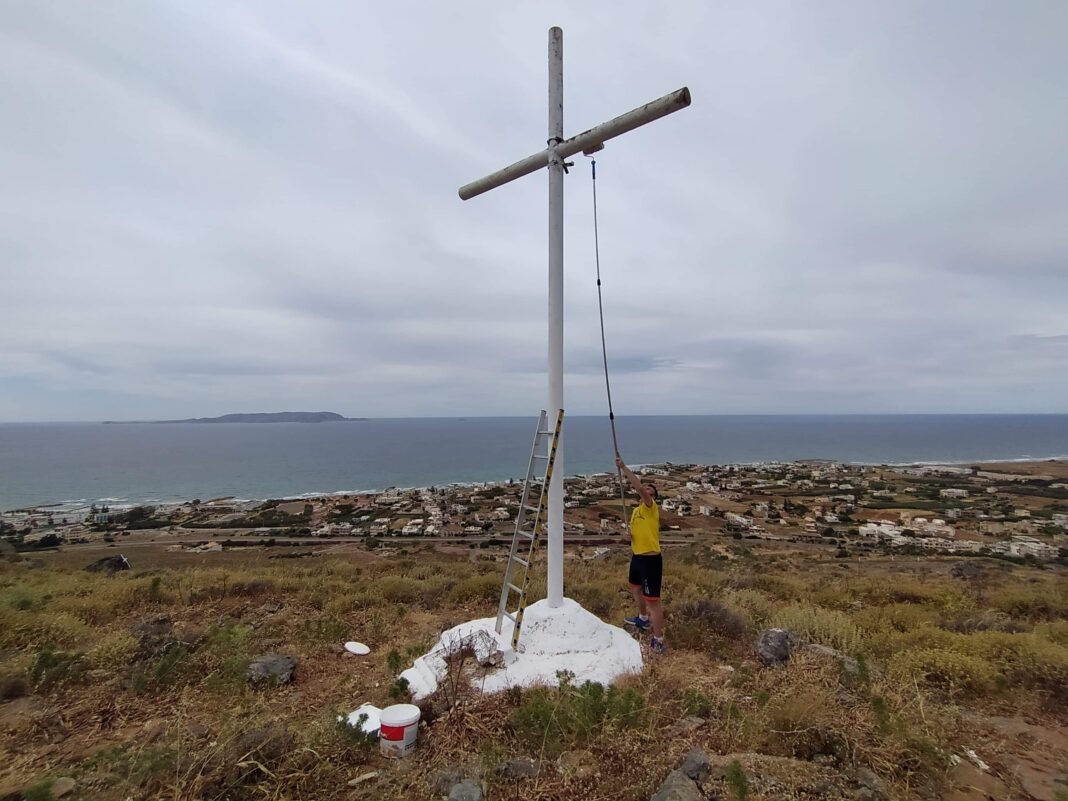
[(646, 572)]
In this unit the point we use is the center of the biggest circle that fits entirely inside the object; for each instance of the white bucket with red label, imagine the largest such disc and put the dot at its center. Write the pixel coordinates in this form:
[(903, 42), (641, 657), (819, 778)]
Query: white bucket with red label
[(399, 727)]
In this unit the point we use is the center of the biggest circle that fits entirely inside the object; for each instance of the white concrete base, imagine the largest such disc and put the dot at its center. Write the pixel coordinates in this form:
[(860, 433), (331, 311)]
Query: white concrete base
[(565, 638)]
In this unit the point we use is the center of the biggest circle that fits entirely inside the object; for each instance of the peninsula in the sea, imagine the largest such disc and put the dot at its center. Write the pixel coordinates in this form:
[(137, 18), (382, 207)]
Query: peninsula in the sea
[(260, 417)]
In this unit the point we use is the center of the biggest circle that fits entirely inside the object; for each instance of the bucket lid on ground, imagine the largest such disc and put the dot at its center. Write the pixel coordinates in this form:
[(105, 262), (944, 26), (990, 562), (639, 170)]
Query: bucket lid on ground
[(400, 715)]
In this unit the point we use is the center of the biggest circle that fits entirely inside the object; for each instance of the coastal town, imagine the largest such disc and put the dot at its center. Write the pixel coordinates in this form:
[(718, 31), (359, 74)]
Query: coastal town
[(1011, 510)]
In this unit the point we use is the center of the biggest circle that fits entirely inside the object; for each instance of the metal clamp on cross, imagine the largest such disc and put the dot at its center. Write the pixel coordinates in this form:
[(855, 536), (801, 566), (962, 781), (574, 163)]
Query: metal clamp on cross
[(556, 151)]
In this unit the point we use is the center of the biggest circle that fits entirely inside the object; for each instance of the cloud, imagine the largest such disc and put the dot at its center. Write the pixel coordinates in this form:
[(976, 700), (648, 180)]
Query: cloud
[(253, 207)]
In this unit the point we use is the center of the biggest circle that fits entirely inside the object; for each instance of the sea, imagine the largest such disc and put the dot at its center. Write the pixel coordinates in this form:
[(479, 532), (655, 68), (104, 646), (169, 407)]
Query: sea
[(73, 464)]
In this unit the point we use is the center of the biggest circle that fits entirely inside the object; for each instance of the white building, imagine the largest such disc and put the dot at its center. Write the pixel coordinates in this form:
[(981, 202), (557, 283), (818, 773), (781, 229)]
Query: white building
[(1026, 546), (953, 493), (879, 530), (933, 528)]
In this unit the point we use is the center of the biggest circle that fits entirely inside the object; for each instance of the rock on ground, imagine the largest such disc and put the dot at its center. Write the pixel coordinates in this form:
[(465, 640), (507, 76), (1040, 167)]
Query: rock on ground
[(467, 790), (774, 646), (109, 564), (61, 787), (518, 768), (696, 765), (678, 787), (272, 669)]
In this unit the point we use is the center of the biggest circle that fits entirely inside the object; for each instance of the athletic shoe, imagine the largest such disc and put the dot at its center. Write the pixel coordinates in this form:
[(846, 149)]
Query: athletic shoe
[(638, 622), (657, 646)]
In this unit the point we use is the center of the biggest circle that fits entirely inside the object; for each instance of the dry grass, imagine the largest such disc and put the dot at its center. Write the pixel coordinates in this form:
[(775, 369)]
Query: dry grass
[(930, 652)]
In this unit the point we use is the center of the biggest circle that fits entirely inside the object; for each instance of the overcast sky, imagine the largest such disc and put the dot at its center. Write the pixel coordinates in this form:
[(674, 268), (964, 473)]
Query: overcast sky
[(216, 207)]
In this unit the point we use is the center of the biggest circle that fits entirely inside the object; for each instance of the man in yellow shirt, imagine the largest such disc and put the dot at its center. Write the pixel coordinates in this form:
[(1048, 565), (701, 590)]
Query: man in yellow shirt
[(646, 561)]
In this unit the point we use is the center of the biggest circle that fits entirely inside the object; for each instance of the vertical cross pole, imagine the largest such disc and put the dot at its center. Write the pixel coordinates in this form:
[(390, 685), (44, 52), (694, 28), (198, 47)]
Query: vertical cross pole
[(555, 518), (556, 150)]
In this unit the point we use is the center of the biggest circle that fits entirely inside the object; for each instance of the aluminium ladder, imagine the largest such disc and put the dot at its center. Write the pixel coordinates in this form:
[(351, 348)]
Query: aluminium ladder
[(542, 453)]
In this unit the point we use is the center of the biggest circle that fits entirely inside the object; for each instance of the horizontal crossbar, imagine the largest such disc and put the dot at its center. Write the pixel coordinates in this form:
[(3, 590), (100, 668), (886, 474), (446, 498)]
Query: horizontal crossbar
[(587, 141)]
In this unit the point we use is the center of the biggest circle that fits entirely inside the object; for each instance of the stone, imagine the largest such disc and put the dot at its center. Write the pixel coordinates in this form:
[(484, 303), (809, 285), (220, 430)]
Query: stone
[(109, 565), (965, 570), (445, 778), (678, 787), (875, 787), (774, 646), (62, 786), (152, 627), (685, 726), (518, 768), (467, 790), (576, 764), (272, 669), (696, 765)]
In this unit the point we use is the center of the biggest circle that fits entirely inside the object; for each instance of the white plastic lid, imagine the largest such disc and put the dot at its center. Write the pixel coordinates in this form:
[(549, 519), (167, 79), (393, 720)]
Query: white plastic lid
[(400, 715), (357, 648)]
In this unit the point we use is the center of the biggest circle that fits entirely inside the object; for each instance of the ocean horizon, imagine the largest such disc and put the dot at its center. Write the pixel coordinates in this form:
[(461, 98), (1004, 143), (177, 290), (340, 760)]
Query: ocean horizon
[(69, 464)]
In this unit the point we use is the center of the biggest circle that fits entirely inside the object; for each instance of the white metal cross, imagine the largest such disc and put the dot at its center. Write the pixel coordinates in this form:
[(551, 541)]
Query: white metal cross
[(556, 150)]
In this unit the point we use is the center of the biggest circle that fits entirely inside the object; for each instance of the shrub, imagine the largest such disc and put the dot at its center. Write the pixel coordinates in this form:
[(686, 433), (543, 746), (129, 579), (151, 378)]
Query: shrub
[(594, 597), (737, 780), (696, 703), (476, 588), (1031, 603), (753, 604), (434, 589), (714, 617), (825, 626), (568, 716), (30, 630), (114, 651), (984, 621), (353, 735), (399, 589), (13, 685), (947, 670), (894, 618), (51, 667)]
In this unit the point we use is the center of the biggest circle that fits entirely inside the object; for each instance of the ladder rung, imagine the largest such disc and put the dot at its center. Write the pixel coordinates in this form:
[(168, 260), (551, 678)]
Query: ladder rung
[(529, 508), (543, 431), (521, 560), (528, 534), (517, 589), (510, 616), (539, 456)]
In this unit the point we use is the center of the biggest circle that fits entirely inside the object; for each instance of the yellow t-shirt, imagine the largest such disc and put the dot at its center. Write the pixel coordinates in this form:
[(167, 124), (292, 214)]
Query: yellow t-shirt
[(645, 529)]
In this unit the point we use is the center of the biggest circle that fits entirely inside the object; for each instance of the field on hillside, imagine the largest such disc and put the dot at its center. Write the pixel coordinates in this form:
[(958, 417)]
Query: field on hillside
[(943, 683)]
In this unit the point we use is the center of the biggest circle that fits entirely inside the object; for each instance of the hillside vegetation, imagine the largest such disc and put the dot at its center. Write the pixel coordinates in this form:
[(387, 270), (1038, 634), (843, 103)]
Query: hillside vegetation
[(135, 685)]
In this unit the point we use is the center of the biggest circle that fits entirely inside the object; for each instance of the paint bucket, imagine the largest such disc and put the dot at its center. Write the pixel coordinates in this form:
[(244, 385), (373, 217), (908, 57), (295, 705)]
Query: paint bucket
[(399, 726)]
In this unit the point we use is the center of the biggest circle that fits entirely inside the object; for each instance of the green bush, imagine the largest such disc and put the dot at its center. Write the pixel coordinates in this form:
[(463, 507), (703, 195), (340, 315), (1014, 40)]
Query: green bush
[(696, 703), (570, 715), (51, 667)]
